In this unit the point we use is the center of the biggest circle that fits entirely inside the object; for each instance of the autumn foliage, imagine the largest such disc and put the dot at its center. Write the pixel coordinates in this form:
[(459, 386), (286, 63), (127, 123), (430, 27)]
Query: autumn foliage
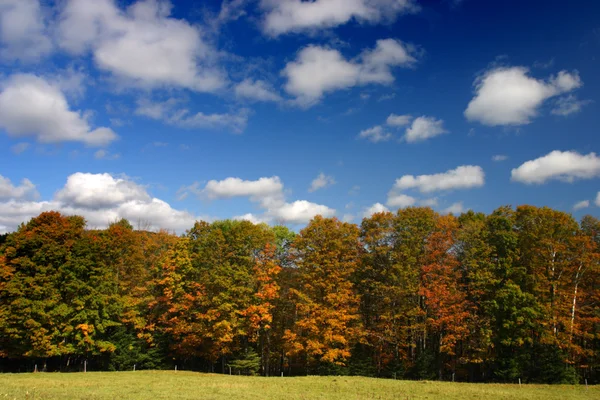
[(416, 295)]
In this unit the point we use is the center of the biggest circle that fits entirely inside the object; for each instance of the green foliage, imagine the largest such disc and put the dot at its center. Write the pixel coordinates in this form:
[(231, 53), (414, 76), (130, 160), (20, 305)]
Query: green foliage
[(248, 364), (131, 351)]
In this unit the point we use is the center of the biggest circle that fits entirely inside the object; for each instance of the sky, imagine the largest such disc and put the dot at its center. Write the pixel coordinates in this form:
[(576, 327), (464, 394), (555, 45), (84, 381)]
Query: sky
[(167, 112)]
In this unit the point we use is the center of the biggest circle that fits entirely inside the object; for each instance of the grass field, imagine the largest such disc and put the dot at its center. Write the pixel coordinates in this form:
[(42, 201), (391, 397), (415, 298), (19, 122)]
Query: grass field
[(189, 385)]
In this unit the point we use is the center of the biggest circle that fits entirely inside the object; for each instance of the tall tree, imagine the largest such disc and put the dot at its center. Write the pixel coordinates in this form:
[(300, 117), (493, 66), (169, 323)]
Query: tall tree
[(328, 323), (448, 311)]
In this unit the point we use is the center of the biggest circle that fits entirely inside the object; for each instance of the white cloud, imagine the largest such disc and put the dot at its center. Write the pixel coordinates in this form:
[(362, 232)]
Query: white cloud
[(380, 134), (8, 191), (158, 214), (581, 205), (249, 217), (398, 120), (30, 106), (267, 191), (376, 63), (568, 105), (424, 128), (499, 158), (316, 71), (256, 90), (319, 70), (101, 199), (269, 195), (14, 212), (23, 32), (508, 96), (320, 182), (597, 202), (456, 208), (98, 191), (376, 134), (566, 166), (374, 209), (142, 46), (299, 212), (285, 16), (463, 177), (70, 81), (171, 113), (399, 200)]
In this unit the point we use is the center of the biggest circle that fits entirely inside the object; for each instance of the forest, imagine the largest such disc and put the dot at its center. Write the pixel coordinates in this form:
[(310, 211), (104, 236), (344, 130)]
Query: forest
[(511, 295)]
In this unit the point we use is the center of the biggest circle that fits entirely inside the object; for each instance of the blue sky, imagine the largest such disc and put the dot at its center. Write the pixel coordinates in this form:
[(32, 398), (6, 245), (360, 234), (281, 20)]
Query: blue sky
[(166, 112)]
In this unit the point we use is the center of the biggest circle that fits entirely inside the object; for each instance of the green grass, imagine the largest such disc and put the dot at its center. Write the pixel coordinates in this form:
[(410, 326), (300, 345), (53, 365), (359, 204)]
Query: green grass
[(189, 385)]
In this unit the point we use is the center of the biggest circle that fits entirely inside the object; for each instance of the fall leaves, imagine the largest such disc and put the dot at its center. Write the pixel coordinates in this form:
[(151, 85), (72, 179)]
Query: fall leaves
[(513, 294)]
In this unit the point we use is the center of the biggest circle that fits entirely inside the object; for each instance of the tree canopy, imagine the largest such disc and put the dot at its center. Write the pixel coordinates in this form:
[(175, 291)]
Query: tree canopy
[(414, 294)]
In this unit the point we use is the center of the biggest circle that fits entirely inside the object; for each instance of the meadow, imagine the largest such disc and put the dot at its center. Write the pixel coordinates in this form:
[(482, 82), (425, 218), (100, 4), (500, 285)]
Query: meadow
[(191, 385)]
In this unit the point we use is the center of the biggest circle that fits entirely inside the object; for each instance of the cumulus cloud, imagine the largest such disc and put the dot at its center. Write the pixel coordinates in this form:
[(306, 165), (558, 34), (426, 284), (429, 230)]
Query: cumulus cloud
[(463, 177), (320, 182), (566, 166), (597, 202), (580, 205), (267, 193), (399, 200), (499, 158), (99, 191), (31, 106), (508, 96), (285, 16), (424, 128), (376, 134), (101, 199), (398, 120), (142, 46), (257, 90), (23, 32), (374, 209), (299, 212), (8, 191), (320, 70), (381, 134), (172, 113), (14, 212)]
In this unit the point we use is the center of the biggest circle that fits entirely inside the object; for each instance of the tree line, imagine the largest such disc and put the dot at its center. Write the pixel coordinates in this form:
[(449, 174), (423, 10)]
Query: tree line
[(409, 295)]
